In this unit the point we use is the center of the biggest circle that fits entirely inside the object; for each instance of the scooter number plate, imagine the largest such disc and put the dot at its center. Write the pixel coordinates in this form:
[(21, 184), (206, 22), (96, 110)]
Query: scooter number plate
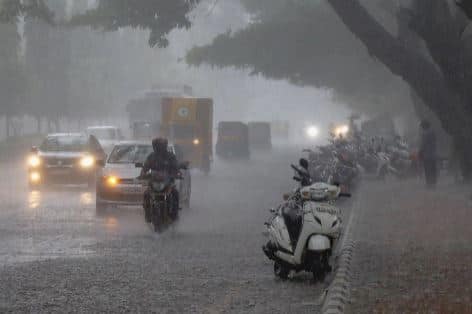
[(326, 209)]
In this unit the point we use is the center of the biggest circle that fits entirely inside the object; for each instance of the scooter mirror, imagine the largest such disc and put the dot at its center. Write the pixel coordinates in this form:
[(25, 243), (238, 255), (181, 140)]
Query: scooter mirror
[(304, 163)]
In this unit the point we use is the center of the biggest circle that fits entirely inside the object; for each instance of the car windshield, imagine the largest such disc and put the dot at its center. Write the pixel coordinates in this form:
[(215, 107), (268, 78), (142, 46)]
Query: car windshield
[(64, 144), (103, 133), (129, 154)]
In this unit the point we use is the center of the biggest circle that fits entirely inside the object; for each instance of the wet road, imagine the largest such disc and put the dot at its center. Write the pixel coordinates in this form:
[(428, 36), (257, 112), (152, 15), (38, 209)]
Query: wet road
[(56, 255)]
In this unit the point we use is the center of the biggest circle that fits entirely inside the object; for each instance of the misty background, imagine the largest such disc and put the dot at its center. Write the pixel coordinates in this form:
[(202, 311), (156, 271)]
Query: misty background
[(67, 78)]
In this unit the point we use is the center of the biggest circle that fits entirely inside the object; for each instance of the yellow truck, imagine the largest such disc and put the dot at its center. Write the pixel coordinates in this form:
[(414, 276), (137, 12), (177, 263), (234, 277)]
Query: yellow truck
[(188, 123)]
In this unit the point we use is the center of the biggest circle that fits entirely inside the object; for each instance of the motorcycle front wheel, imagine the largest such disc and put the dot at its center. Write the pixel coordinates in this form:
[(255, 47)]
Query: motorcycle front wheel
[(158, 218)]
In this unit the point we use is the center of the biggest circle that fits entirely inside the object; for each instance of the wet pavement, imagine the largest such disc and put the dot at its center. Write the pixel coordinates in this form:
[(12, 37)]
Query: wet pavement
[(56, 255), (413, 252)]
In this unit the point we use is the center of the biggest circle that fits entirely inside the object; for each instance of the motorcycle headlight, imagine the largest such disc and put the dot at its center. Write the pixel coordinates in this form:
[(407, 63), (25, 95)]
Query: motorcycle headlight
[(34, 161), (196, 142), (87, 162), (35, 177), (112, 181)]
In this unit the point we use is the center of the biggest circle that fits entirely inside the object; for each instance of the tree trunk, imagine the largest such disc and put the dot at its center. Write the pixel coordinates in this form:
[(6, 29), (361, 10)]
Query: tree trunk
[(422, 75)]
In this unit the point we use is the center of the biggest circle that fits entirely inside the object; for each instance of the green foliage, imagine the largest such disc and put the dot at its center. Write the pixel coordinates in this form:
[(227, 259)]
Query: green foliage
[(160, 17), (10, 10), (466, 6), (12, 79), (306, 44)]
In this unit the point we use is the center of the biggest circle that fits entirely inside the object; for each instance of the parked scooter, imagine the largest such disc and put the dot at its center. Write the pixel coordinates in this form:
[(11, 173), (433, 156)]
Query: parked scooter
[(304, 229)]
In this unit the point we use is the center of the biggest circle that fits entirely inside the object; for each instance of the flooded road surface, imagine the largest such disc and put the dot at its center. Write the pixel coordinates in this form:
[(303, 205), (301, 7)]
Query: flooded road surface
[(57, 255)]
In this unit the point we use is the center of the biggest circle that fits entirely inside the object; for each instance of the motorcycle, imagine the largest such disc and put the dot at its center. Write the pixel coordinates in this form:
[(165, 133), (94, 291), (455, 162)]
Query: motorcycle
[(304, 229), (160, 209)]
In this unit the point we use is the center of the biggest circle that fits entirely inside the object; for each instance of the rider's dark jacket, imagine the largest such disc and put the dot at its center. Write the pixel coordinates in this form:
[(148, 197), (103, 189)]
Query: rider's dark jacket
[(161, 162)]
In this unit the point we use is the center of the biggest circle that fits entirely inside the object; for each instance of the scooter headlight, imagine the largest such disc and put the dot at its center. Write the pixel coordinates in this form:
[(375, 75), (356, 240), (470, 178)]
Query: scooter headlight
[(306, 195)]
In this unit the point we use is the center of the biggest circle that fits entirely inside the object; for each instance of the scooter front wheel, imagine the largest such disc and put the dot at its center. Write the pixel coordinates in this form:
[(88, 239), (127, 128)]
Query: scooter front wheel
[(281, 271)]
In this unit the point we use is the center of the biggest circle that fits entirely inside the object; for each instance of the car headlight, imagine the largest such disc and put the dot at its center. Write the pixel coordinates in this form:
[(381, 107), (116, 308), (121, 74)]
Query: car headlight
[(196, 142), (112, 181), (35, 177), (87, 162), (34, 161)]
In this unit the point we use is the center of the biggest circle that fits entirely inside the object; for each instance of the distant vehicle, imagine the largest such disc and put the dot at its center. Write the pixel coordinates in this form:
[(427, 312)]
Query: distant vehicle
[(117, 184), (260, 137), (108, 136), (280, 130), (145, 110), (143, 130), (65, 158), (233, 140), (188, 123)]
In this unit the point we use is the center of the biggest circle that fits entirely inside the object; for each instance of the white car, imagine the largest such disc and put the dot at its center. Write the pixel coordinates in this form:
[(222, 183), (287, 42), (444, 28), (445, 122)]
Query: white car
[(117, 184), (108, 136)]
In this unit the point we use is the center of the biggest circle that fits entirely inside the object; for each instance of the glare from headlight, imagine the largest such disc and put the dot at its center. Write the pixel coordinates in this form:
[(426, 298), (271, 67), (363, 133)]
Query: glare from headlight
[(112, 181), (34, 161), (87, 162), (35, 177), (312, 131), (341, 130), (196, 142)]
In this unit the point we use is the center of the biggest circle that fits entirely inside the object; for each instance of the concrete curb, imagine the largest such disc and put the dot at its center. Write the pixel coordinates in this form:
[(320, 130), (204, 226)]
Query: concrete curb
[(339, 291)]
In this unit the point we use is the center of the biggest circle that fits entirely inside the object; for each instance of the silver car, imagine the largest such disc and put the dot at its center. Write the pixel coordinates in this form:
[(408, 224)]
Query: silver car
[(117, 184)]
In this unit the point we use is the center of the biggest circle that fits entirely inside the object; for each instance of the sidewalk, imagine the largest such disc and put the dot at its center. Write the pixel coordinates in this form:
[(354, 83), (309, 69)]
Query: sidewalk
[(414, 252)]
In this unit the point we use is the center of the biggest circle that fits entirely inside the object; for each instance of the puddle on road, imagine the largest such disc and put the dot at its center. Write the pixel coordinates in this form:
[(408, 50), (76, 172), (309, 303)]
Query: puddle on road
[(14, 251)]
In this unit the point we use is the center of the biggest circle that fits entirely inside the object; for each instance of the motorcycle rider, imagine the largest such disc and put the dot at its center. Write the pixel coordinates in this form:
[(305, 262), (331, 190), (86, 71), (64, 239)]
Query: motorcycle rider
[(161, 160)]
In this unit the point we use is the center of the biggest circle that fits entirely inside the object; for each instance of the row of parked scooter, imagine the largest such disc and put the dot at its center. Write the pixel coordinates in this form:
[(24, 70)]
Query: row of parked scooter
[(305, 228), (346, 161)]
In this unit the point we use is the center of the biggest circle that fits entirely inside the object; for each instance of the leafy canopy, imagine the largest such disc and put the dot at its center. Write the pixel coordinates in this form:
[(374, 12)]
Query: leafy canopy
[(160, 17)]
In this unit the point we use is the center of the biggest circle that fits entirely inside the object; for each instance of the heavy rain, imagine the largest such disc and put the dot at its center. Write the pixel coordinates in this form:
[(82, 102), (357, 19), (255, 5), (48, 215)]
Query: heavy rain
[(235, 156)]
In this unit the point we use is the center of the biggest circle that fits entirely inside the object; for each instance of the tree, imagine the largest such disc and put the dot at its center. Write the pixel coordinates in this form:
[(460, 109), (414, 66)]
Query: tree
[(160, 17), (10, 10), (441, 77), (301, 43), (306, 44), (12, 80)]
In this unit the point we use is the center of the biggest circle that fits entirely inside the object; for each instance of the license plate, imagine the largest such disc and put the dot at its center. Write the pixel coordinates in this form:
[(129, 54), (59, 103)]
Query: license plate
[(132, 189), (59, 172)]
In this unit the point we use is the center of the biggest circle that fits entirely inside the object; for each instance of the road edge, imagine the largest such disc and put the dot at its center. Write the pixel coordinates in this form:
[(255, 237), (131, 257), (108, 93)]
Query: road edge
[(338, 294)]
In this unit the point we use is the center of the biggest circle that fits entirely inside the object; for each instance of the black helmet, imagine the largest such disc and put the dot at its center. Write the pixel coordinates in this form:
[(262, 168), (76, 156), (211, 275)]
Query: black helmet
[(159, 145)]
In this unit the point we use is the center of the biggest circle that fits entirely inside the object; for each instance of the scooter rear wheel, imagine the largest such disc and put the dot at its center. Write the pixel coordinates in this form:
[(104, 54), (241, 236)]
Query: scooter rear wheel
[(281, 271)]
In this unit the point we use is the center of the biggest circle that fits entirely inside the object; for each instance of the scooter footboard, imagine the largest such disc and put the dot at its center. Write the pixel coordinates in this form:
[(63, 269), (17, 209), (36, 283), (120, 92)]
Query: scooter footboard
[(319, 243)]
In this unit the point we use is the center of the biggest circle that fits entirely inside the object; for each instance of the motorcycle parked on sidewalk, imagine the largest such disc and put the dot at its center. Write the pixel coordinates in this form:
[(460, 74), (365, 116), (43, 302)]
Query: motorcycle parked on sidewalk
[(304, 229)]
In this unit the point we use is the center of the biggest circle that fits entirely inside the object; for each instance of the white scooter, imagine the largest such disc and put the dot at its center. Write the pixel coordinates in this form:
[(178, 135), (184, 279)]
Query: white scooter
[(305, 242)]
